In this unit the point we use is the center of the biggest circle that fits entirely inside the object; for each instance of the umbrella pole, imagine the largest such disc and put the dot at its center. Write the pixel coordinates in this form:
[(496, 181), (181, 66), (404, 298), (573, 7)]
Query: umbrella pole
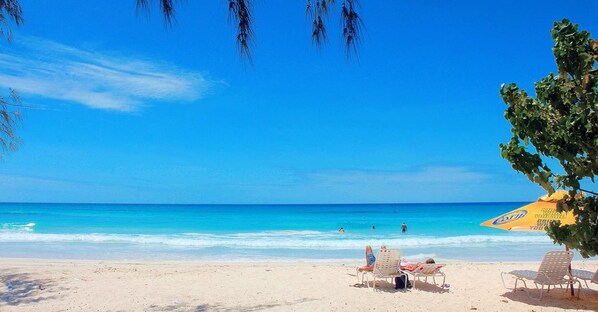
[(570, 276)]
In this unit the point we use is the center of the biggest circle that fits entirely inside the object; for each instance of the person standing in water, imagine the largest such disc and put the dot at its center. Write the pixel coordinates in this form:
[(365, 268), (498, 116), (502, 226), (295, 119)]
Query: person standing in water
[(404, 227)]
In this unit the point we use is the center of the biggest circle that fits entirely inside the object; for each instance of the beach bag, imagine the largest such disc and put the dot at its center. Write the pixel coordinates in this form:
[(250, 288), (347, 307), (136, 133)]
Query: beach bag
[(402, 282)]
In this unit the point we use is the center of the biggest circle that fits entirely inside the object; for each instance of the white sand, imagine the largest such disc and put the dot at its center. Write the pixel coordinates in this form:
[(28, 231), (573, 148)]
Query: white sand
[(194, 286)]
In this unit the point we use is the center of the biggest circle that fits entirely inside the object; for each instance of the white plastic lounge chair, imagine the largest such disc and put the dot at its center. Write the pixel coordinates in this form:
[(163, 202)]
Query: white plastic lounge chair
[(363, 275), (553, 271), (387, 265), (585, 276), (426, 270)]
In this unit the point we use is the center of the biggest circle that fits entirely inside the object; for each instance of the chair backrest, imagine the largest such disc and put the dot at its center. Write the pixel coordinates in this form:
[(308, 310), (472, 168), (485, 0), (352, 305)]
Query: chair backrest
[(427, 268), (387, 261), (554, 267), (595, 278)]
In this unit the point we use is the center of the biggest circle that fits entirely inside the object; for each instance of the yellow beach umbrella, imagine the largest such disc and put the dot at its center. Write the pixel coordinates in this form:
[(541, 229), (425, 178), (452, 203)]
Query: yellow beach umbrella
[(533, 217)]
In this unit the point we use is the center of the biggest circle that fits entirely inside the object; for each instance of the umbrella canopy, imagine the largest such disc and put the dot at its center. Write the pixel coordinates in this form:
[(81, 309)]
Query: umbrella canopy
[(533, 217)]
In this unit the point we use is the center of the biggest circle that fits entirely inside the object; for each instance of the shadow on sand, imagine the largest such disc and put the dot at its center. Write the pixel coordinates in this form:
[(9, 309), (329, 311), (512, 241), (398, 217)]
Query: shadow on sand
[(221, 308), (556, 298), (424, 286), (386, 286), (21, 288)]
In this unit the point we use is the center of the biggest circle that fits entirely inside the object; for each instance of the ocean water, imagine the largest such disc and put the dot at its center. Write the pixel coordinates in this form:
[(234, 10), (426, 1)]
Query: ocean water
[(261, 232)]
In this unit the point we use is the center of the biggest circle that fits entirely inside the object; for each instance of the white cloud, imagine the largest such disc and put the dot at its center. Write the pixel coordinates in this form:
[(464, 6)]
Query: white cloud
[(96, 79)]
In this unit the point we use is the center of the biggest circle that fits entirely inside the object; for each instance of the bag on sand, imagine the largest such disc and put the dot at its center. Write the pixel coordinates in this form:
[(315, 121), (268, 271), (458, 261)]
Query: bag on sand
[(402, 282)]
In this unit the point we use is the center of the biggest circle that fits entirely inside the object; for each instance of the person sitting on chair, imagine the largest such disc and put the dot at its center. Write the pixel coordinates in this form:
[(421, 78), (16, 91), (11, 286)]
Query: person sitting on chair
[(370, 260)]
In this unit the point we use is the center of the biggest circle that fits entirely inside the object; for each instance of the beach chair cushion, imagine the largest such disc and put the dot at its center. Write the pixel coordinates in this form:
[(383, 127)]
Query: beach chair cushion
[(585, 275), (527, 274), (427, 268)]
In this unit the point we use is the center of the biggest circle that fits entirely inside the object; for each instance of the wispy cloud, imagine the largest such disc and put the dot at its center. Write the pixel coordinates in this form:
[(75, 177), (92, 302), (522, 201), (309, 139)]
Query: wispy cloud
[(101, 80)]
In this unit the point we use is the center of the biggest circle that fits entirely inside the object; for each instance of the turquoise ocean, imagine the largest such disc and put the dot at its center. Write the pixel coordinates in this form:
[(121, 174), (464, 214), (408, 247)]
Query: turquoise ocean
[(261, 232)]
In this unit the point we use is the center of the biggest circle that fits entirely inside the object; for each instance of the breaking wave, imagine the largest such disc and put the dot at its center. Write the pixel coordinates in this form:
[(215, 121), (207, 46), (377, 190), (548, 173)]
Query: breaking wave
[(269, 239), (19, 227)]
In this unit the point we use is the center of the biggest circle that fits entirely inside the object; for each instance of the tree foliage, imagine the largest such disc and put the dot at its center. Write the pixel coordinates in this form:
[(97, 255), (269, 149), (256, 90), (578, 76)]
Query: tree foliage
[(240, 13), (9, 115), (8, 118), (9, 10), (555, 134)]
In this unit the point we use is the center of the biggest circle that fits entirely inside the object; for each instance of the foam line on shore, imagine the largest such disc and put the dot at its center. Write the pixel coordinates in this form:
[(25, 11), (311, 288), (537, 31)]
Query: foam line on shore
[(269, 240)]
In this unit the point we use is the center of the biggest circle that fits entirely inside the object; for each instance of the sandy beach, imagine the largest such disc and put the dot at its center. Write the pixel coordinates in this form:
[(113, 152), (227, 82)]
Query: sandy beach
[(62, 285)]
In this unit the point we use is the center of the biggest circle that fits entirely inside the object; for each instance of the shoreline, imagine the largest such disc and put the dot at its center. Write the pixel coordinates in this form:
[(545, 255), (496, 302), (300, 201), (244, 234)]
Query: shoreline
[(356, 262), (99, 285)]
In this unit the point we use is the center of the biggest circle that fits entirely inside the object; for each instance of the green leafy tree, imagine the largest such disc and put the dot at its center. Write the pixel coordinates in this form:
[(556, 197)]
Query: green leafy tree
[(9, 114), (240, 13), (555, 134)]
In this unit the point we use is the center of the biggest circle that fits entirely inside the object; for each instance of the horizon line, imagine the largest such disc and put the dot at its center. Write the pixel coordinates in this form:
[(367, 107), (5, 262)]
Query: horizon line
[(266, 204)]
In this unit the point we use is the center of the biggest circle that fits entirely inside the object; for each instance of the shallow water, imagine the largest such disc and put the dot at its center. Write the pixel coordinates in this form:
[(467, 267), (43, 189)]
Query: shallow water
[(261, 232)]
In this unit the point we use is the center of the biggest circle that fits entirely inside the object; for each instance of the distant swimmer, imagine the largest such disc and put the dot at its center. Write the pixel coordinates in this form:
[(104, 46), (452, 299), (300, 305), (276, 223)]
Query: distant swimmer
[(341, 230), (404, 227), (373, 227)]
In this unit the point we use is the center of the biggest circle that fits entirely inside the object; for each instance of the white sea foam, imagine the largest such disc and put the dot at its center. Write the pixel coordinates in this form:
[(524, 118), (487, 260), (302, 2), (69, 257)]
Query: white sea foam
[(292, 240), (419, 257), (19, 227), (278, 233)]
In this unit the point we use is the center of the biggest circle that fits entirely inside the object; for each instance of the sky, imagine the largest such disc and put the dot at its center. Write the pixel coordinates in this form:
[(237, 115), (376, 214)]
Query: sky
[(122, 109)]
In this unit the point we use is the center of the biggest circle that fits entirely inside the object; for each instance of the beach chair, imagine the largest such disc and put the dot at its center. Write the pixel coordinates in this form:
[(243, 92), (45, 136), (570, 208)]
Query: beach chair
[(585, 276), (553, 271), (386, 265), (363, 276), (365, 270), (426, 270)]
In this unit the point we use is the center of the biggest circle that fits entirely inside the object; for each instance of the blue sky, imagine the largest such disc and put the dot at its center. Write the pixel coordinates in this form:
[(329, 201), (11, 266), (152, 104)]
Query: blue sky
[(126, 110)]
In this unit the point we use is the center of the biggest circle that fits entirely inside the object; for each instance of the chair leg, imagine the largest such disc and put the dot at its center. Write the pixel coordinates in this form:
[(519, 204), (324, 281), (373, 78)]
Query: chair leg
[(542, 291), (525, 288), (539, 288), (502, 278)]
